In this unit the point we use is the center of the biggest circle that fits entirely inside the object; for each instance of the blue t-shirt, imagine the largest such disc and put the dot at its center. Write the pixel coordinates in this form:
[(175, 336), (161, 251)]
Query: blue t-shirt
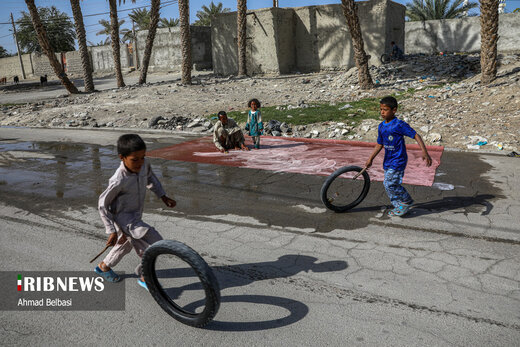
[(390, 135)]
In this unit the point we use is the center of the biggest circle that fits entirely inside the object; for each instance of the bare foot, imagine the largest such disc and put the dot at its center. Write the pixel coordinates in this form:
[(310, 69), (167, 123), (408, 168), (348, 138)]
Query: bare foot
[(104, 267)]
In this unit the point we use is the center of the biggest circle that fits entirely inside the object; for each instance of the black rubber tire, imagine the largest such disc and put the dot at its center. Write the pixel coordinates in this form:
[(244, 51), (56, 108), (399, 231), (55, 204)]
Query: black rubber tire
[(385, 58), (202, 269), (335, 175)]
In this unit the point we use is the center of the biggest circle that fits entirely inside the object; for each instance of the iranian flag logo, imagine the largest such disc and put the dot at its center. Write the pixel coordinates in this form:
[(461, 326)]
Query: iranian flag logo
[(19, 283)]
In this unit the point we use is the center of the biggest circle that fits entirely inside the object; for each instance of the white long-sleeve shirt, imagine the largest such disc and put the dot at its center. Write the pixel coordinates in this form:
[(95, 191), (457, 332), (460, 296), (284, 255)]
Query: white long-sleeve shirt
[(121, 204), (220, 129)]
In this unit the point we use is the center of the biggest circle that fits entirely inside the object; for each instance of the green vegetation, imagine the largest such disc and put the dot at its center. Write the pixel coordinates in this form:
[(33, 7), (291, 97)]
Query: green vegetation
[(3, 52), (317, 113), (207, 13), (60, 31), (438, 9), (321, 112)]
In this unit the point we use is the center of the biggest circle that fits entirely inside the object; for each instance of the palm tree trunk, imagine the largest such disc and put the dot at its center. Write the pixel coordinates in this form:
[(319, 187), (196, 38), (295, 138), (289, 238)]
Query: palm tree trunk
[(154, 21), (184, 16), (114, 34), (241, 36), (47, 49), (82, 43), (488, 40), (361, 58)]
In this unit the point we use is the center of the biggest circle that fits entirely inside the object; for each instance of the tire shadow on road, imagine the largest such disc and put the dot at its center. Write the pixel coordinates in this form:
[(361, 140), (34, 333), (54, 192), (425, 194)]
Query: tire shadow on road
[(240, 275)]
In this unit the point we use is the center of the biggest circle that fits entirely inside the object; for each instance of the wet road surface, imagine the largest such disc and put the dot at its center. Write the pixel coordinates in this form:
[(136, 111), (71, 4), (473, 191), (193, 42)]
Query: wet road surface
[(291, 272)]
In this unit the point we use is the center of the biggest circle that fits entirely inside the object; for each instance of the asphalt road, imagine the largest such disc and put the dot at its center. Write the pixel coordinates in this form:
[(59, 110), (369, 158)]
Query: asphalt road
[(291, 273)]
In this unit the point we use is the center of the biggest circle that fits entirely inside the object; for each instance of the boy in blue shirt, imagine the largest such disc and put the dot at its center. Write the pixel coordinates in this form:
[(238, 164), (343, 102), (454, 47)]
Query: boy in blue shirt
[(391, 134)]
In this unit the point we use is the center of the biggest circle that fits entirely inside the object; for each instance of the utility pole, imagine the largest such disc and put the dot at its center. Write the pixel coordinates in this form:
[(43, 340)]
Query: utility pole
[(136, 57), (17, 47)]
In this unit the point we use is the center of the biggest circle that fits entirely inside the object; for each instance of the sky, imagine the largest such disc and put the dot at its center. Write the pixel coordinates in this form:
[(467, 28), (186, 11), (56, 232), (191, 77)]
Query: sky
[(169, 11)]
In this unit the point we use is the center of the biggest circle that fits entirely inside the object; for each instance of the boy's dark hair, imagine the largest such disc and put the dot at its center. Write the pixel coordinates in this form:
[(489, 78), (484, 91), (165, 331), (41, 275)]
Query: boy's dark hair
[(255, 101), (129, 143), (392, 43), (221, 113), (389, 101)]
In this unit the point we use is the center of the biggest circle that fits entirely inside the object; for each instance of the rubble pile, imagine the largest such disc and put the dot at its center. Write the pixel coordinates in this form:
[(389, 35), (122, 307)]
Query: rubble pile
[(180, 123), (416, 70)]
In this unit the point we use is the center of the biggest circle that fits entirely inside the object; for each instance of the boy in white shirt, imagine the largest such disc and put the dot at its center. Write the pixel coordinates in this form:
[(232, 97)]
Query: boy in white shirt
[(121, 206)]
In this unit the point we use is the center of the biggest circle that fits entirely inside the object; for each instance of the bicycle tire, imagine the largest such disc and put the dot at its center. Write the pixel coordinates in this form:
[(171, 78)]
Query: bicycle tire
[(201, 268), (385, 58), (335, 175)]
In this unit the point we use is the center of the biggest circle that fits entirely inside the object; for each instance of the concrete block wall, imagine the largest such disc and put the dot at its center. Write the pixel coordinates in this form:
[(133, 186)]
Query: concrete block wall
[(306, 39), (166, 55), (166, 51), (42, 66), (10, 67), (323, 41), (224, 49), (395, 27), (283, 21), (265, 37), (201, 47), (103, 59), (269, 42), (459, 35), (74, 66)]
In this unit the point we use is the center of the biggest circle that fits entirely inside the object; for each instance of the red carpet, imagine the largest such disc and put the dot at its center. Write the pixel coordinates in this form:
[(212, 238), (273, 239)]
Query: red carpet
[(305, 156)]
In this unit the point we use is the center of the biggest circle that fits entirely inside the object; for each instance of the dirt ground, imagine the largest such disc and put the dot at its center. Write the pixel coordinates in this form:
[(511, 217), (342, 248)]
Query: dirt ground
[(444, 102)]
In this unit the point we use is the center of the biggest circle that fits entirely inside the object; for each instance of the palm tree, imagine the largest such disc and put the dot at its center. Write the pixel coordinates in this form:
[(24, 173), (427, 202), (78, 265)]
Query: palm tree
[(207, 13), (241, 36), (488, 40), (47, 49), (168, 23), (438, 9), (114, 33), (361, 58), (154, 21), (184, 17), (92, 44), (82, 43), (141, 17), (107, 28), (58, 26)]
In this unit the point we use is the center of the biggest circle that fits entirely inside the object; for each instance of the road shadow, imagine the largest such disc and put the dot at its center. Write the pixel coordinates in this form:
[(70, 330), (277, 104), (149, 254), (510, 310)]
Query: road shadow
[(244, 274), (229, 276), (297, 311), (470, 204)]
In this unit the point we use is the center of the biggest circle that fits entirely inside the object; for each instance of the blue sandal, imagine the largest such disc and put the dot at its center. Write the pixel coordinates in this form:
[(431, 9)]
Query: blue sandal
[(400, 210), (142, 284), (109, 275)]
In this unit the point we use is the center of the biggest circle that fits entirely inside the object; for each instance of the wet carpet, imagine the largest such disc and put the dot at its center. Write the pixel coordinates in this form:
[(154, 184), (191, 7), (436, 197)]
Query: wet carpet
[(305, 156)]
